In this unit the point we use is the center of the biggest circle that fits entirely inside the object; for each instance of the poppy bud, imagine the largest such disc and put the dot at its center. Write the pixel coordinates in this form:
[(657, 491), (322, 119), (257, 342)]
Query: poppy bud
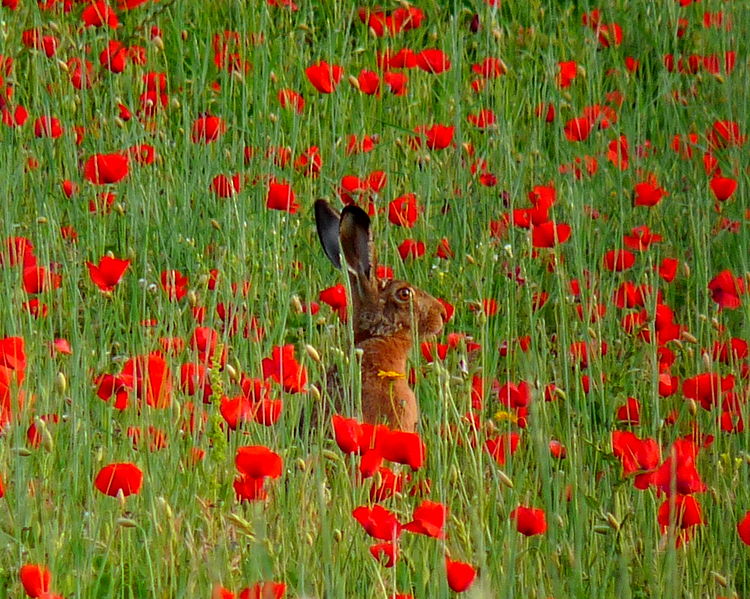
[(692, 406), (505, 479), (328, 454), (612, 521), (315, 392), (312, 352), (685, 336), (166, 507), (720, 580), (127, 523), (61, 382)]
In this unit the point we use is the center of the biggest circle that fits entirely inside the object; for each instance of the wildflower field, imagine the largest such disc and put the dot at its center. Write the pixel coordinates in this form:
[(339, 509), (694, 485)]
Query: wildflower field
[(569, 178)]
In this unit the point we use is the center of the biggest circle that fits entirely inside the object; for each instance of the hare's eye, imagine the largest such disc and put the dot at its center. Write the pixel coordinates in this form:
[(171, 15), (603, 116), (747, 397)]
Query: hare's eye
[(404, 294)]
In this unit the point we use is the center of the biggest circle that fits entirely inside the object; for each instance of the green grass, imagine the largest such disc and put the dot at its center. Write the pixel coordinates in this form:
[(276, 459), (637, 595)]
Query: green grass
[(186, 531)]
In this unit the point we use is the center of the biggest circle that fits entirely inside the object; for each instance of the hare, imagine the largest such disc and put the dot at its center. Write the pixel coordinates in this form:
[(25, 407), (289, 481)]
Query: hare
[(386, 314)]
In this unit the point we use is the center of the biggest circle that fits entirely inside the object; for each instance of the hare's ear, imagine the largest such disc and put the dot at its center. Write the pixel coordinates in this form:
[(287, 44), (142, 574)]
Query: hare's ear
[(327, 222), (355, 236)]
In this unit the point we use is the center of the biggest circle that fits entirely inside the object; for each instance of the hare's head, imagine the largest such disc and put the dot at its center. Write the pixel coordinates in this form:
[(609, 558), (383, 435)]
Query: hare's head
[(381, 308)]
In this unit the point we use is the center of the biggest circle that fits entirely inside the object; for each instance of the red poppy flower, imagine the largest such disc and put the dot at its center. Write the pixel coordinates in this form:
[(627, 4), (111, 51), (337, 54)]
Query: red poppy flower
[(378, 522), (618, 260), (152, 377), (502, 446), (324, 77), (724, 134), (404, 210), (194, 377), (108, 273), (101, 169), (629, 412), (119, 386), (403, 59), (648, 194), (35, 579), (723, 187), (368, 82), (396, 82), (734, 350), (336, 298), (114, 57), (567, 71), (204, 340), (428, 519), (444, 249), (281, 197), (514, 396), (289, 98), (114, 478), (483, 119), (637, 456), (352, 436), (17, 250), (283, 368), (641, 238), (309, 162), (208, 128), (548, 234), (174, 283), (578, 129), (743, 528), (490, 68), (529, 521), (411, 248), (683, 511), (37, 279), (460, 575), (402, 447), (385, 553), (726, 289), (98, 13), (247, 488), (48, 126), (266, 590), (437, 137), (433, 61), (224, 186), (678, 473), (258, 461), (609, 35), (356, 145), (707, 388)]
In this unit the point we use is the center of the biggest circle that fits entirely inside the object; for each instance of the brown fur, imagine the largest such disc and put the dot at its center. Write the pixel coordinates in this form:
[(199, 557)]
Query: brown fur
[(387, 316)]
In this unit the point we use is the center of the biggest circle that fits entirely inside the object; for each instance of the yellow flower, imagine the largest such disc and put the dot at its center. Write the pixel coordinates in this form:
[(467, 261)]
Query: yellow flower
[(502, 415), (391, 374)]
